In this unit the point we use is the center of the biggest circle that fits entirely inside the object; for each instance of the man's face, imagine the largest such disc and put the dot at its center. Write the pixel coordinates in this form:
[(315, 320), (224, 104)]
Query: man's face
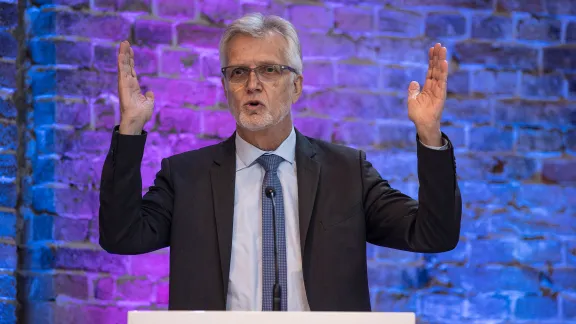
[(264, 100)]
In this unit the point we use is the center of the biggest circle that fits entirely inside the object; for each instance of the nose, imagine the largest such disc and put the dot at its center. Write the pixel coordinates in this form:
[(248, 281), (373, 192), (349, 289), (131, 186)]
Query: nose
[(254, 83)]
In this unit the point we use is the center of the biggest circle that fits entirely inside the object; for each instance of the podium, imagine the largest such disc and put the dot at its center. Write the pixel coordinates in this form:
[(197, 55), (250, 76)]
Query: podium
[(245, 317)]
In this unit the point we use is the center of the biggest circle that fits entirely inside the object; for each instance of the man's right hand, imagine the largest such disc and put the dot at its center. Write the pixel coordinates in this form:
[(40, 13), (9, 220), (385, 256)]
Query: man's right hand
[(135, 108)]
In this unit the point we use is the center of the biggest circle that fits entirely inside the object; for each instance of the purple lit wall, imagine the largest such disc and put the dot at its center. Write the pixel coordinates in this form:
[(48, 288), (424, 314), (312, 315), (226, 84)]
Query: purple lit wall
[(511, 113)]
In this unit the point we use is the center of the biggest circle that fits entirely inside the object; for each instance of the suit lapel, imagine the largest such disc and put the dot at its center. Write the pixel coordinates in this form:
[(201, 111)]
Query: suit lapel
[(308, 174), (223, 177)]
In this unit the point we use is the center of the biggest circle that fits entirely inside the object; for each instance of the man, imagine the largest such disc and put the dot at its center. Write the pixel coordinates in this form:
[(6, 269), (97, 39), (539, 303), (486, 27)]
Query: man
[(214, 206)]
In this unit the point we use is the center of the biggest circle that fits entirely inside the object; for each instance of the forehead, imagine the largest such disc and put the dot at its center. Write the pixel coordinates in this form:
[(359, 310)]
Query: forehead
[(247, 50)]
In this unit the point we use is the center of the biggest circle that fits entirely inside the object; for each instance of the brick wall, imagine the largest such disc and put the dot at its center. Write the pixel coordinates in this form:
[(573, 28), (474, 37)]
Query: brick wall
[(511, 113)]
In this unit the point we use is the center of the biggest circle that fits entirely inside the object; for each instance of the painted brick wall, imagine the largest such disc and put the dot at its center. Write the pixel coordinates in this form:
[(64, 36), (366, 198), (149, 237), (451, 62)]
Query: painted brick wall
[(511, 113)]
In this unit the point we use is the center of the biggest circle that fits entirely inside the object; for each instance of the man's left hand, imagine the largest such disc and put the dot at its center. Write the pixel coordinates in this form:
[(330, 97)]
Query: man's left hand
[(425, 107)]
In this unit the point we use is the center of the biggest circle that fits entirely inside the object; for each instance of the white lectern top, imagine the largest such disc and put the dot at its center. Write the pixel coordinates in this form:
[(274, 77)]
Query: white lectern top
[(240, 317)]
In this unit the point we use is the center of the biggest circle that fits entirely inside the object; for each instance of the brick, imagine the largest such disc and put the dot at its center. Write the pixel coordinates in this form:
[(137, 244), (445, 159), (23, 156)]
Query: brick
[(89, 260), (395, 277), (152, 264), (81, 170), (219, 11), (308, 16), (532, 6), (445, 25), (74, 83), (563, 279), (363, 75), (334, 46), (104, 114), (492, 27), (495, 167), (492, 252), (461, 109), (175, 8), (562, 58), (353, 19), (8, 256), (39, 227), (571, 79), (8, 228), (7, 108), (74, 4), (8, 195), (570, 140), (8, 14), (559, 171), (7, 286), (210, 65), (180, 120), (533, 222), (365, 105), (394, 166), (529, 140), (395, 302), (405, 49), (472, 4), (396, 137), (134, 289), (538, 251), (152, 32), (8, 45), (49, 286), (76, 23), (181, 92), (134, 5), (536, 308), (7, 74), (7, 309), (483, 193), (219, 123), (495, 82), (489, 307), (266, 8), (66, 201), (408, 23), (507, 252), (321, 73), (537, 195), (442, 306), (539, 28), (8, 166), (104, 288), (394, 78), (491, 139), (496, 56), (571, 32), (162, 293), (459, 83), (61, 51), (198, 36), (71, 230), (184, 63), (542, 86), (493, 279), (356, 133), (458, 255), (73, 112), (569, 306), (315, 127), (89, 314), (534, 113), (562, 7)]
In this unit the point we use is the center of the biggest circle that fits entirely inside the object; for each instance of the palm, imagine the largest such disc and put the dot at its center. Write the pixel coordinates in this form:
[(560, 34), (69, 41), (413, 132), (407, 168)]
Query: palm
[(425, 107), (133, 103)]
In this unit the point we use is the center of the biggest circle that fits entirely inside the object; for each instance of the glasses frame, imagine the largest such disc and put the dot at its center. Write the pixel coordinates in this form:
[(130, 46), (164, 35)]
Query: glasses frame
[(282, 66)]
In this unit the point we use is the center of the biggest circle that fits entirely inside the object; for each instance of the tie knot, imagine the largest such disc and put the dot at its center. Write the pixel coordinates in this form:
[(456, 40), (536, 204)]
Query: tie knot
[(270, 162)]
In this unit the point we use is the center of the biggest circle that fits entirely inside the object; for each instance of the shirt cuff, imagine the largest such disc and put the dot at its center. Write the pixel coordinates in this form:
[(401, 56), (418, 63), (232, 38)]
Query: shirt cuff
[(439, 148)]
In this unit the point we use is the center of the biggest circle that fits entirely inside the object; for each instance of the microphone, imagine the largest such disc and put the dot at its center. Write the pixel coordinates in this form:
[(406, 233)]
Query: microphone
[(271, 193)]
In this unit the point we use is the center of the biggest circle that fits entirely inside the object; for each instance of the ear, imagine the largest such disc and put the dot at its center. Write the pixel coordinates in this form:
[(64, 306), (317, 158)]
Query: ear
[(298, 80), (224, 88)]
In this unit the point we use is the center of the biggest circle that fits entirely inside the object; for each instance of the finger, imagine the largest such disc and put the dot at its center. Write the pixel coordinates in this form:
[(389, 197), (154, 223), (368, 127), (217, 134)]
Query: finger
[(413, 90), (132, 69), (430, 62), (150, 95)]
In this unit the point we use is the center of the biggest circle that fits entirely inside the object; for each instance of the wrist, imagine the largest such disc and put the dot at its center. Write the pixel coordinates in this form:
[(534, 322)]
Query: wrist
[(130, 127), (430, 135)]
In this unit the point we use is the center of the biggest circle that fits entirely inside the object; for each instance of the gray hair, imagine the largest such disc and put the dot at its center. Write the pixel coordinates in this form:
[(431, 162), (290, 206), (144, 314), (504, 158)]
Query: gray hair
[(258, 25)]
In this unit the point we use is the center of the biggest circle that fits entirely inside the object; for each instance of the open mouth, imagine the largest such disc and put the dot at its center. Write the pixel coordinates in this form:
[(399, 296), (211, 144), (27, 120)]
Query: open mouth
[(254, 103)]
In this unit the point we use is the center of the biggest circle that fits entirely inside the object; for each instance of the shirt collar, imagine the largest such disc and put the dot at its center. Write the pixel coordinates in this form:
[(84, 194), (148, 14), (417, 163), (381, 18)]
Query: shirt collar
[(248, 153)]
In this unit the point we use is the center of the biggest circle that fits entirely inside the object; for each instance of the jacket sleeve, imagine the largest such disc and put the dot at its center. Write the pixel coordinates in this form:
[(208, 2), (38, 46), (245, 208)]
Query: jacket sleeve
[(128, 222), (429, 225)]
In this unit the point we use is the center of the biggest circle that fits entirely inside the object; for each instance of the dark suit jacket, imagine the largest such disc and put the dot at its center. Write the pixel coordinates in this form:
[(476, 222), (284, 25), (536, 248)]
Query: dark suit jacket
[(343, 203)]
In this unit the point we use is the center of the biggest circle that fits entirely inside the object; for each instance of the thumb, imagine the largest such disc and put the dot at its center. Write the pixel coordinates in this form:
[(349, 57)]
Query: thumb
[(413, 90), (150, 96)]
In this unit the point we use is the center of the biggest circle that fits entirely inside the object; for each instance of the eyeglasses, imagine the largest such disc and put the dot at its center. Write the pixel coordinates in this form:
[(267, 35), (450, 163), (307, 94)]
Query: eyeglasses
[(265, 73)]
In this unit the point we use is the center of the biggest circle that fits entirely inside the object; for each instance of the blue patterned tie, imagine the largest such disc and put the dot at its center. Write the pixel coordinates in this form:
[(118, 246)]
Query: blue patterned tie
[(270, 163)]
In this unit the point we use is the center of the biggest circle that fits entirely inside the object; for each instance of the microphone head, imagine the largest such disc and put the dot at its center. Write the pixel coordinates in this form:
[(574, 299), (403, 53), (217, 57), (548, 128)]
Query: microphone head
[(270, 192)]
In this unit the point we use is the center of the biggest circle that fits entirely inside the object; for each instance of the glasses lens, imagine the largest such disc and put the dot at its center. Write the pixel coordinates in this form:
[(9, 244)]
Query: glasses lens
[(238, 74), (269, 73)]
